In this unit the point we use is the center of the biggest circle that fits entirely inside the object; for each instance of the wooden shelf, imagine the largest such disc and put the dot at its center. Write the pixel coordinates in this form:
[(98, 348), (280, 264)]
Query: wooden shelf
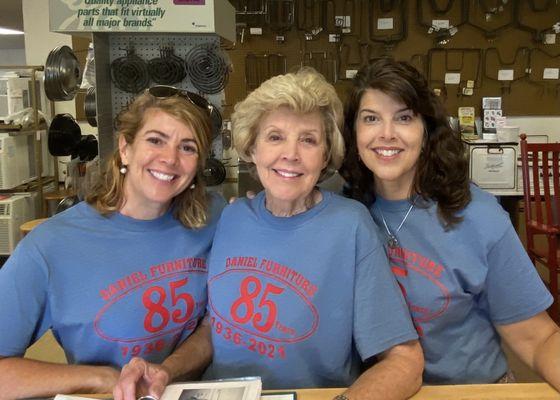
[(15, 130)]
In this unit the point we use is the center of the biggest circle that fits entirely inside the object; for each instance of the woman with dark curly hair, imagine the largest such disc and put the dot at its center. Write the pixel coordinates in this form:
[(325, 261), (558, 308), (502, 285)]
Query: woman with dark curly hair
[(466, 277)]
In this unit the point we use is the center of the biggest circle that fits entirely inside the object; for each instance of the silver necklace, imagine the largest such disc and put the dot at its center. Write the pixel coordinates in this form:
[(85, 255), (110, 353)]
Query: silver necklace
[(392, 240)]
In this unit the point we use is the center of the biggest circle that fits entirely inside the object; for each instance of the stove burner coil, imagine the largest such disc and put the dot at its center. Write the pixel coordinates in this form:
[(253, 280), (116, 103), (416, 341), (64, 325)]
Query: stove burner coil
[(207, 68), (167, 69), (130, 73)]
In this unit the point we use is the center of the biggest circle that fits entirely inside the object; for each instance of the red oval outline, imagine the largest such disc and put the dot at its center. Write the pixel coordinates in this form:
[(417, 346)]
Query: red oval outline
[(101, 312), (311, 306), (433, 314)]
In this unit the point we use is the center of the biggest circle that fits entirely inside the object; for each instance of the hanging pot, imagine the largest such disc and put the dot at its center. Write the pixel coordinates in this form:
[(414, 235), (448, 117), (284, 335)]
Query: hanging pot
[(86, 149), (63, 74), (63, 135)]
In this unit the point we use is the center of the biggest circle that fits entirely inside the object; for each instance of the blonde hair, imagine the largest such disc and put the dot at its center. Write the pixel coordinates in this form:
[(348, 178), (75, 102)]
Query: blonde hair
[(304, 91), (191, 205)]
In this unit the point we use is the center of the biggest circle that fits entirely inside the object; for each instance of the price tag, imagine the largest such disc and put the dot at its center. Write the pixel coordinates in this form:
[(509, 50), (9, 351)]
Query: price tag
[(550, 38), (440, 23), (255, 31), (452, 78), (384, 23), (505, 75), (343, 21), (351, 73), (551, 73), (333, 37)]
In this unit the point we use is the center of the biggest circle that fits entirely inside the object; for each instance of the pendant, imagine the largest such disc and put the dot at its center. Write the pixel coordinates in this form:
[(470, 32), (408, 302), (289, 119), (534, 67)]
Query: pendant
[(392, 241)]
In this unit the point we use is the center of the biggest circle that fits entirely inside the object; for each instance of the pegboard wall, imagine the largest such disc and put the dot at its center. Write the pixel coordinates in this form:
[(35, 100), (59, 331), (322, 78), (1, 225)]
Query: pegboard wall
[(149, 47), (467, 49)]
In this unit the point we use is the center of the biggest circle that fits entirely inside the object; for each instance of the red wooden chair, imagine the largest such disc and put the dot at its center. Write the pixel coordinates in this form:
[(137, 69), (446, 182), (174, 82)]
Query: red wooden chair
[(540, 163)]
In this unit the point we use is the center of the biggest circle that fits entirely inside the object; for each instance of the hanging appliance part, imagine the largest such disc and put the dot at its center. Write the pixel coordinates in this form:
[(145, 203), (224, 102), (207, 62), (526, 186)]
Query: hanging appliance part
[(63, 74), (86, 149), (214, 172), (90, 107), (207, 68), (63, 135), (130, 73), (167, 69)]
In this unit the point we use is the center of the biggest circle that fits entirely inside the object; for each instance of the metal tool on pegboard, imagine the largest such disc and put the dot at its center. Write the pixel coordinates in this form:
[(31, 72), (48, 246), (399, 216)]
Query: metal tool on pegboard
[(167, 69), (442, 22), (491, 17), (260, 67), (207, 67), (544, 70), (506, 72), (280, 17), (388, 22), (455, 67), (130, 73)]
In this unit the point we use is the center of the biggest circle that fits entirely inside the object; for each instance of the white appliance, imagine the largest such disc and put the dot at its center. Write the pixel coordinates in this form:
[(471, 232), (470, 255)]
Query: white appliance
[(15, 94), (493, 165), (18, 164), (15, 209)]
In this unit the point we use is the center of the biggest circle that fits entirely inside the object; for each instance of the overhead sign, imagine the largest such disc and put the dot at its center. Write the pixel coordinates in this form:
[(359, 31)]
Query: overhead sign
[(172, 16)]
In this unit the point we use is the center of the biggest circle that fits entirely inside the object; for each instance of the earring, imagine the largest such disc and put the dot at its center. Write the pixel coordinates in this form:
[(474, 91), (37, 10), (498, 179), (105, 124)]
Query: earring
[(123, 170), (192, 186)]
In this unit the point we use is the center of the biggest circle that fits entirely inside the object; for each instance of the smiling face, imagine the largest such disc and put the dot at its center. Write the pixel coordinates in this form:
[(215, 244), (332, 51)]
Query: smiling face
[(389, 137), (289, 154), (161, 162)]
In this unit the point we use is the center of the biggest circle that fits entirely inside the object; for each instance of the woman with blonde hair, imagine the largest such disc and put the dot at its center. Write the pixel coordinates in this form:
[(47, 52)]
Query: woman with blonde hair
[(123, 273), (297, 266)]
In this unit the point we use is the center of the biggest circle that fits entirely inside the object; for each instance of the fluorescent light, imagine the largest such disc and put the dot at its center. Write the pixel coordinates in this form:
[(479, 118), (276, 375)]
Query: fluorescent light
[(6, 31)]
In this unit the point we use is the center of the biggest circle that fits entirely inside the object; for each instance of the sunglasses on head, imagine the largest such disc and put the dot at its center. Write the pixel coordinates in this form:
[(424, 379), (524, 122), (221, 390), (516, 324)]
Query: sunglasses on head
[(164, 92)]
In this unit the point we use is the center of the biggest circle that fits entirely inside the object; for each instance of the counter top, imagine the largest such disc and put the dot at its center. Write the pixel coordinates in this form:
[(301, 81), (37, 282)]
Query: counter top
[(508, 391)]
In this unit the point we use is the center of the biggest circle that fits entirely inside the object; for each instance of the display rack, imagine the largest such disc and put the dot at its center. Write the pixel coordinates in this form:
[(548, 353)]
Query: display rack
[(39, 182)]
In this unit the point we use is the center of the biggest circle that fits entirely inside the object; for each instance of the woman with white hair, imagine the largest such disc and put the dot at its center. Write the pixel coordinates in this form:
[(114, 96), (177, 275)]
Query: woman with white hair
[(300, 290)]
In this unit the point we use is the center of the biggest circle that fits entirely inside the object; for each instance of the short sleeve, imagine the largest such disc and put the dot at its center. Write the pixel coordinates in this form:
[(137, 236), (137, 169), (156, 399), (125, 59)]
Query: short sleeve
[(216, 205), (381, 316), (515, 291), (23, 299)]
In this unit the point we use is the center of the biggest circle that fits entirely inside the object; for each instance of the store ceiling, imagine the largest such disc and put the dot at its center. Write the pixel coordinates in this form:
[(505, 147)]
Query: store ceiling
[(11, 17)]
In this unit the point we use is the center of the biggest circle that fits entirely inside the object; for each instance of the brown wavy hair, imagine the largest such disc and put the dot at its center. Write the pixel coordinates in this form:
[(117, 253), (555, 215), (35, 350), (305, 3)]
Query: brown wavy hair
[(442, 170), (190, 206)]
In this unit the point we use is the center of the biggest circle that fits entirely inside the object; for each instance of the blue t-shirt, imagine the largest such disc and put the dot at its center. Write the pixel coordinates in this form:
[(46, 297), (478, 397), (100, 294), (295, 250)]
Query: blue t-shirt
[(459, 283), (299, 300), (109, 287)]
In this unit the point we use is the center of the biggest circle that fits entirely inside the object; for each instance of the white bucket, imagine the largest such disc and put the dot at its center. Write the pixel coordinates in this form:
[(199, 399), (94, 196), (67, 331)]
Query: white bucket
[(507, 133)]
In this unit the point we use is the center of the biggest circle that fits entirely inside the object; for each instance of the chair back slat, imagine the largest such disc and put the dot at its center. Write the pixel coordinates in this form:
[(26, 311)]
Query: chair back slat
[(546, 194), (540, 165), (556, 184), (536, 185)]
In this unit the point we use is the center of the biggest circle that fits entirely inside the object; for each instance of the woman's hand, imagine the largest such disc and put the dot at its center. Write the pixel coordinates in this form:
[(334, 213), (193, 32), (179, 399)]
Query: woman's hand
[(141, 378), (250, 195)]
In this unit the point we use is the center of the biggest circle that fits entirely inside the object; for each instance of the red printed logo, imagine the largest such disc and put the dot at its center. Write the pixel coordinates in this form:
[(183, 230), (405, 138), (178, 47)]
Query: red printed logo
[(167, 308), (262, 305), (412, 270)]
